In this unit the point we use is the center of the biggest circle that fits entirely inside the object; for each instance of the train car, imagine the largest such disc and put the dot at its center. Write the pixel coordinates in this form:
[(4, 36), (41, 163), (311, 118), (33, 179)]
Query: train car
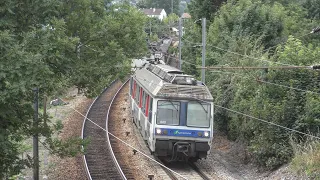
[(173, 112)]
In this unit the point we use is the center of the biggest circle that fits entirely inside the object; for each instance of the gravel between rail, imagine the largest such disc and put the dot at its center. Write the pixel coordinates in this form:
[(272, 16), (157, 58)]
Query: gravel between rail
[(140, 166), (98, 154)]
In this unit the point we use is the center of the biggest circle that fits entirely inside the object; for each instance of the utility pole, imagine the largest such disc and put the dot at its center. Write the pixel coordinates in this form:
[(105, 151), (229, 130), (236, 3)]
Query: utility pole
[(35, 137), (203, 72), (171, 6), (149, 28), (180, 43)]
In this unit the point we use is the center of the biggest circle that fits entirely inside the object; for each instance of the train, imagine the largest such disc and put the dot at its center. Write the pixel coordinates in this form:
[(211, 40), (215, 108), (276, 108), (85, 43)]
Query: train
[(173, 112)]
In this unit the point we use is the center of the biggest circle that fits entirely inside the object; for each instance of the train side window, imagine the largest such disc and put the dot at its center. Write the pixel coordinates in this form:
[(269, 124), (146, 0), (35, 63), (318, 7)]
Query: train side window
[(150, 110), (134, 89), (143, 102), (147, 106), (140, 97)]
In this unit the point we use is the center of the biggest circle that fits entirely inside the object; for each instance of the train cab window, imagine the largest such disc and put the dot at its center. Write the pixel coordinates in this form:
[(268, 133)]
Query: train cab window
[(168, 112), (198, 114), (150, 110)]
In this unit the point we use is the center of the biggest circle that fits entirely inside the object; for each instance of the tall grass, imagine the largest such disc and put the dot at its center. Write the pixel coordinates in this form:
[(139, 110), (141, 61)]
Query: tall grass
[(306, 161)]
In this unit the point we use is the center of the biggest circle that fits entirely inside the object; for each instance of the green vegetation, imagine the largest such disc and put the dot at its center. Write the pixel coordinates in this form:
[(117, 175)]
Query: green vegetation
[(53, 45), (306, 161), (264, 33)]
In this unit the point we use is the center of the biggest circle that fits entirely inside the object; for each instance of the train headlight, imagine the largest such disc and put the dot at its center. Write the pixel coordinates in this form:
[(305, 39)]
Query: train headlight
[(206, 134), (158, 131)]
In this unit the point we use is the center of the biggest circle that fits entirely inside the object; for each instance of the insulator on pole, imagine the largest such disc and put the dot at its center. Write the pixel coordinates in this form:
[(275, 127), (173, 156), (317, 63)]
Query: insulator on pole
[(316, 67), (315, 30)]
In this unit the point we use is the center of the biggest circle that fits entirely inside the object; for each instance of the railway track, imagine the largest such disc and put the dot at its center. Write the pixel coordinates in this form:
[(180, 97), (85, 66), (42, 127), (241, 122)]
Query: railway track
[(99, 159), (103, 159), (186, 170)]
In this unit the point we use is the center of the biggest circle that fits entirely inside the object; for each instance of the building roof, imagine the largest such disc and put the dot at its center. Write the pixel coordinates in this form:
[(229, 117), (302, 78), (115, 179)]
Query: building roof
[(186, 16), (152, 11)]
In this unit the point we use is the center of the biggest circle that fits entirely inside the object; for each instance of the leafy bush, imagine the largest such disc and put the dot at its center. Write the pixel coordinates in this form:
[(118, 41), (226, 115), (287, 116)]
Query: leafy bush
[(306, 161)]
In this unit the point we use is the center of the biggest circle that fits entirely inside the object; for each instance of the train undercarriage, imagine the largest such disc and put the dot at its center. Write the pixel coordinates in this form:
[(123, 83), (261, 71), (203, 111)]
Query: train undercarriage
[(177, 150)]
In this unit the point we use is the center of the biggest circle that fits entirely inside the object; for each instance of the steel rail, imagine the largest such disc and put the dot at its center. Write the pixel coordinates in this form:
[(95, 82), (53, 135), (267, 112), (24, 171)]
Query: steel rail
[(196, 168), (169, 173), (83, 127), (107, 133), (82, 132)]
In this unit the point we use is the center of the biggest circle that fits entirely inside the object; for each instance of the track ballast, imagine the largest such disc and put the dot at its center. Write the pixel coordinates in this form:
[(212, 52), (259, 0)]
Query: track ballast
[(99, 160)]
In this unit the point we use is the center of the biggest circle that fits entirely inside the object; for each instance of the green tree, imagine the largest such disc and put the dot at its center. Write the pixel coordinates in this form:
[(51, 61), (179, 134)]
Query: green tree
[(313, 7), (251, 28), (144, 4), (53, 45), (171, 19), (204, 8)]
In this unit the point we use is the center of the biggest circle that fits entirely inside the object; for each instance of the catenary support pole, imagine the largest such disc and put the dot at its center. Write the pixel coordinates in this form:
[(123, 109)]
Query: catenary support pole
[(180, 41), (171, 6), (203, 72), (35, 137)]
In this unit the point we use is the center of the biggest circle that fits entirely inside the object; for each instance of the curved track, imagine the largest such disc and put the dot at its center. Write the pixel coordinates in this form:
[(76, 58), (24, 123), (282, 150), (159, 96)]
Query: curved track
[(104, 162), (99, 159)]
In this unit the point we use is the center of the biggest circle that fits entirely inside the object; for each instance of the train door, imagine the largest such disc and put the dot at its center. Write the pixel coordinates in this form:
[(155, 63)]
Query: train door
[(131, 93), (143, 115), (150, 121), (136, 104)]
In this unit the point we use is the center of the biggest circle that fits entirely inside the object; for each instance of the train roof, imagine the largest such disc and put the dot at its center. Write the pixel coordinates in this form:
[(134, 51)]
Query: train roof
[(164, 81)]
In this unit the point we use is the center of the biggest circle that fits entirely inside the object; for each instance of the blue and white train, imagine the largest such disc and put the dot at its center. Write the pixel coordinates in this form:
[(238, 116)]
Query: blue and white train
[(173, 112)]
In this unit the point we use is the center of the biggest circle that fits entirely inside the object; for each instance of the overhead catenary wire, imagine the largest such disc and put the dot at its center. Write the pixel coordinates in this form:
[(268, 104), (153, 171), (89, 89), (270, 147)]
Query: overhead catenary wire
[(285, 42), (271, 83), (262, 120), (307, 91), (314, 67), (260, 59), (127, 144), (256, 67), (265, 121), (268, 122), (256, 79)]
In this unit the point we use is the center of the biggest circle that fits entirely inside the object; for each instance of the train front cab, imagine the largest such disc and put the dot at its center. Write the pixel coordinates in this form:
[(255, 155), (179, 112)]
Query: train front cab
[(171, 127), (182, 128)]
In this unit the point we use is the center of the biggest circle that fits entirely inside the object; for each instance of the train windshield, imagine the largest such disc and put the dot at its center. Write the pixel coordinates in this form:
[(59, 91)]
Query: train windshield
[(168, 113), (198, 114)]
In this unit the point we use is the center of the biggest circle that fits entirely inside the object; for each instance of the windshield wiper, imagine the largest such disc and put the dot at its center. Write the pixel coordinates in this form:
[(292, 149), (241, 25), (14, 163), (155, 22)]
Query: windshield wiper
[(173, 105), (170, 103), (202, 107)]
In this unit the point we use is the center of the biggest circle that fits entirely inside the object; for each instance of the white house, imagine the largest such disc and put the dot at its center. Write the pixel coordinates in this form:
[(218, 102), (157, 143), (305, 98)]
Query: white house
[(157, 13)]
